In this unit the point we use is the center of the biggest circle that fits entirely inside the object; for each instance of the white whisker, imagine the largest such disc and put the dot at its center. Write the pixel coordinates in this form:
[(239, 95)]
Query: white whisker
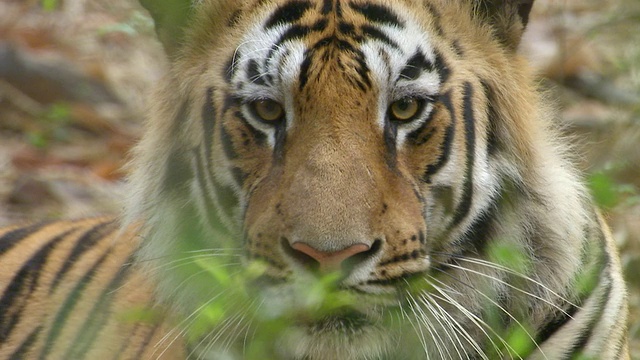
[(500, 281), (501, 308), (475, 319), (496, 266), (452, 324)]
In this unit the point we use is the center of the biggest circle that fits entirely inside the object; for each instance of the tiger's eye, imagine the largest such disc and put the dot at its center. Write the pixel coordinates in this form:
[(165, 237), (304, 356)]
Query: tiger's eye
[(404, 109), (268, 110)]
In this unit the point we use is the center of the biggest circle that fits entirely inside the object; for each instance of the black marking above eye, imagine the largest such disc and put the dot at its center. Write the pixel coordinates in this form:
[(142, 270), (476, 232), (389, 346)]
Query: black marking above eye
[(289, 13), (375, 33), (254, 74), (415, 66), (377, 14)]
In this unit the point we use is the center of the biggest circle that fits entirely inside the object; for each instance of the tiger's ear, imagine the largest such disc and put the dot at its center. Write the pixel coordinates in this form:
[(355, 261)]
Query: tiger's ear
[(170, 17), (509, 18)]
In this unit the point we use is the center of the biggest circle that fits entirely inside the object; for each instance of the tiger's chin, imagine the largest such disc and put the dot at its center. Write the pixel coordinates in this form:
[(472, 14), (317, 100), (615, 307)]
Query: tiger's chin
[(337, 336)]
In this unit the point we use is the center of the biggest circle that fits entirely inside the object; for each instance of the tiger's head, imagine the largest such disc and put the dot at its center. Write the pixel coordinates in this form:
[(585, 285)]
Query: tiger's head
[(375, 139)]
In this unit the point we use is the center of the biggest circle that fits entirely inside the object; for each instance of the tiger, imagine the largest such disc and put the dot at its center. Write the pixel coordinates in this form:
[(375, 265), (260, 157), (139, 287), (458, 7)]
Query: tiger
[(403, 149)]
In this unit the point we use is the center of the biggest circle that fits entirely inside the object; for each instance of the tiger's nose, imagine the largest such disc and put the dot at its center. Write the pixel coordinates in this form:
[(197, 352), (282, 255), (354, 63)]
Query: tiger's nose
[(330, 261)]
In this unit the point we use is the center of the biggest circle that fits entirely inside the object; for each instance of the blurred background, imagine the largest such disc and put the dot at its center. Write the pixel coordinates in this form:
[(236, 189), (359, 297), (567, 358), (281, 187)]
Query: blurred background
[(74, 75)]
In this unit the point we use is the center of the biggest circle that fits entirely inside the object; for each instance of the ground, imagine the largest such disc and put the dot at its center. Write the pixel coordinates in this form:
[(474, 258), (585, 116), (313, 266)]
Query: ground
[(74, 76)]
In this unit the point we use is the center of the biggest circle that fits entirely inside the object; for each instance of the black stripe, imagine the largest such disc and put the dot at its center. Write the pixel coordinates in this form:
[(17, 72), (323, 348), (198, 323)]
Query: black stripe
[(230, 102), (234, 19), (295, 32), (621, 347), (303, 78), (320, 25), (415, 66), (239, 176), (477, 236), (248, 133), (594, 263), (555, 321), (288, 13), (227, 140), (22, 285), (258, 136), (254, 74), (390, 141), (145, 343), (62, 316), (377, 14), (230, 68), (435, 18), (470, 136), (457, 48), (209, 118), (362, 69), (227, 199), (347, 29), (101, 314), (424, 133), (212, 214), (177, 174), (493, 116), (21, 352), (84, 243), (13, 237), (363, 82), (127, 341), (375, 33), (327, 6), (445, 147), (443, 69), (226, 196), (585, 336), (280, 140)]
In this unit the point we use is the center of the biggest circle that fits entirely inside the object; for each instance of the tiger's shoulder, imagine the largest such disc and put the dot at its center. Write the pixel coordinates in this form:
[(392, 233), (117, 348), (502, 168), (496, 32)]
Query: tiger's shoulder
[(70, 289)]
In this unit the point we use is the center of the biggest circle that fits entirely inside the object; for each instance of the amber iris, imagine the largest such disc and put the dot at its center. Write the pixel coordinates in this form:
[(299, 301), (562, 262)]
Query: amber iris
[(404, 109), (268, 110)]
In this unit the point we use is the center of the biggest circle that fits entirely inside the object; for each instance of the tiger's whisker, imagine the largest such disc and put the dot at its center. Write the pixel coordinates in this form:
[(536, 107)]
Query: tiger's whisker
[(510, 271), (501, 308), (512, 287), (452, 323), (475, 319)]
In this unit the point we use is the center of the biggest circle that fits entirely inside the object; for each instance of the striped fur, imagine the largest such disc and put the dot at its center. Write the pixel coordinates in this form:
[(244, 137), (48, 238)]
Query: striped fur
[(66, 287), (476, 173)]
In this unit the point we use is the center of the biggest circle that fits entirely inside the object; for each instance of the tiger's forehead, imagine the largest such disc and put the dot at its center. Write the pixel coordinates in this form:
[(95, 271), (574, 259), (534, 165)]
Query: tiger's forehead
[(366, 41)]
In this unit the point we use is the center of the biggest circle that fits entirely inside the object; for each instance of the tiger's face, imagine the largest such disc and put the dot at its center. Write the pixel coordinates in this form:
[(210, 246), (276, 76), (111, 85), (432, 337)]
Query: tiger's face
[(340, 136)]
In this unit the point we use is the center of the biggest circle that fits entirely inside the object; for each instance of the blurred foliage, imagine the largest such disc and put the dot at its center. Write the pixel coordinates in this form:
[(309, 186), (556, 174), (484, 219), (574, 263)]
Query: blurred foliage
[(52, 125), (50, 5), (607, 192), (137, 22)]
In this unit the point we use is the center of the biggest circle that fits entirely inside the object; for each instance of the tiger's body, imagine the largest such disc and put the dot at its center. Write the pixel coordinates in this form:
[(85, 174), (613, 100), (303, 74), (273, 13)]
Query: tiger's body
[(391, 142), (73, 309)]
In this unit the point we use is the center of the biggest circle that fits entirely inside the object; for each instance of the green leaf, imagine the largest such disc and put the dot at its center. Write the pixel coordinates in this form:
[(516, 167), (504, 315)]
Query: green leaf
[(49, 5)]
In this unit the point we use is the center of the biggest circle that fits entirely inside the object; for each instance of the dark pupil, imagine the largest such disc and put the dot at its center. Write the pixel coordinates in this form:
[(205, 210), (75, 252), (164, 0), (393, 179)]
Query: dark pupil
[(403, 105), (270, 107)]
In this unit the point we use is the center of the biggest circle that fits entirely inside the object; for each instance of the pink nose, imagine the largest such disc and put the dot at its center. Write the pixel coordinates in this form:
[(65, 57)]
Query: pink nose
[(330, 260)]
